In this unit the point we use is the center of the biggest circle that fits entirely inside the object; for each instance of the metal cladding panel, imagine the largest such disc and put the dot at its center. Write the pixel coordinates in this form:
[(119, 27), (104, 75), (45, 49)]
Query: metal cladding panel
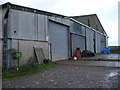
[(106, 40), (46, 28), (83, 30), (13, 25), (58, 37), (102, 42), (90, 39), (1, 51), (21, 25), (71, 27), (1, 33), (66, 21), (42, 27), (77, 42), (102, 46), (60, 20), (97, 41), (27, 25), (102, 38)]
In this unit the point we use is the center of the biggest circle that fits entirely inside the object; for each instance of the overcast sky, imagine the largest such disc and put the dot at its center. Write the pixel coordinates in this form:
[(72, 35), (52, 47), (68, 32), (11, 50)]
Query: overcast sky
[(106, 10)]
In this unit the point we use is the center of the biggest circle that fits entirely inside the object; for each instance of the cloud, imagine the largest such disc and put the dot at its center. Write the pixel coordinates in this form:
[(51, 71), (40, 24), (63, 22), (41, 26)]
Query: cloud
[(107, 11), (112, 31)]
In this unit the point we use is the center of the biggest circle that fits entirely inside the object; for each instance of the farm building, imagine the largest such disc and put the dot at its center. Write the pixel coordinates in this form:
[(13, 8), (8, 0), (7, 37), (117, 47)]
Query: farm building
[(25, 29), (93, 21), (86, 38)]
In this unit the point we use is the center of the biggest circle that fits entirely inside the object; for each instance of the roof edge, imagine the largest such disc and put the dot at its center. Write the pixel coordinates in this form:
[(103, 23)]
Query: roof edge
[(24, 8)]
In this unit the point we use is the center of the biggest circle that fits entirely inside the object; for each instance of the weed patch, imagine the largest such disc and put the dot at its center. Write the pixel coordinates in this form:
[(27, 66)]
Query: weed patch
[(26, 70)]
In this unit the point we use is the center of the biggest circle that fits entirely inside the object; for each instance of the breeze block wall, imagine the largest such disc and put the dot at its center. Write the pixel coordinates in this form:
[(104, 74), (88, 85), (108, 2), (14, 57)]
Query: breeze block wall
[(27, 49)]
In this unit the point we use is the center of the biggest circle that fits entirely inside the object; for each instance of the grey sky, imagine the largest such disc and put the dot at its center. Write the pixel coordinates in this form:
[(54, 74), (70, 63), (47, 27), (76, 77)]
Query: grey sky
[(106, 10)]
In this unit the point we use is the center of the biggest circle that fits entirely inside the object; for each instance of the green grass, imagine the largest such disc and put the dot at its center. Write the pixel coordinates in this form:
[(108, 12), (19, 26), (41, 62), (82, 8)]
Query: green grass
[(26, 70), (115, 49), (91, 59)]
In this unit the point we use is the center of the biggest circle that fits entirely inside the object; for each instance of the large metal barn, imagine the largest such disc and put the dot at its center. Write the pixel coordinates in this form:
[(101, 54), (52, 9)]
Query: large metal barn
[(24, 28)]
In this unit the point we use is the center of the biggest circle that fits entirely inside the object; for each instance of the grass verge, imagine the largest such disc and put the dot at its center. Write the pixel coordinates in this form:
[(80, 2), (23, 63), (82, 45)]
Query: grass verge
[(26, 70), (115, 49)]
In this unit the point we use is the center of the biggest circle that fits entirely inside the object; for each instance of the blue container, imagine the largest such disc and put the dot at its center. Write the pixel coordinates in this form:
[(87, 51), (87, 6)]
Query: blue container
[(106, 51)]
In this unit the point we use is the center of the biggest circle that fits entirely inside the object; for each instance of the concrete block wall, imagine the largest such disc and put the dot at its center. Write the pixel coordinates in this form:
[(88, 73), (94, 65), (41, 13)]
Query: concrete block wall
[(26, 47)]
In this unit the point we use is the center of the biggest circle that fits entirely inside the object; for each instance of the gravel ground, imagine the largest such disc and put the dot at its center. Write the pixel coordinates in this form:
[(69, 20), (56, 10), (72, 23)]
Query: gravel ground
[(70, 74)]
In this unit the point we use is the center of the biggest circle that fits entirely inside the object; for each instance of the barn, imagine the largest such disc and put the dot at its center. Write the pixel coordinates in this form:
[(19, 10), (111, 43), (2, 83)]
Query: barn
[(93, 21), (86, 38), (23, 29)]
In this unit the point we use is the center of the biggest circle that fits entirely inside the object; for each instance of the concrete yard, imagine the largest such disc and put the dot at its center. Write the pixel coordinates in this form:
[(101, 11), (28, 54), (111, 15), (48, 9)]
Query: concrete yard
[(72, 74), (106, 56)]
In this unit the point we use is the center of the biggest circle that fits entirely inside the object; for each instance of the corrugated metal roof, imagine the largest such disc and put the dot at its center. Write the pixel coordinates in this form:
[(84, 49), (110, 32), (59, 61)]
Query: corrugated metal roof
[(90, 16), (23, 8)]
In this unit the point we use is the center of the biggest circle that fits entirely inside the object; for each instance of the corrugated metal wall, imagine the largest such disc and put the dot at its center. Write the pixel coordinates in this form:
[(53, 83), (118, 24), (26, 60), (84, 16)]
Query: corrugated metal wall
[(102, 42), (71, 27), (106, 40), (77, 42), (102, 46), (97, 41), (58, 37), (42, 27), (89, 39), (27, 25), (1, 33), (1, 49)]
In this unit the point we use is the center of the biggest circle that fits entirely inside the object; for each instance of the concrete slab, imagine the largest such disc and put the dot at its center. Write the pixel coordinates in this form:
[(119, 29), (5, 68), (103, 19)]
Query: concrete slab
[(91, 63), (106, 56), (101, 63)]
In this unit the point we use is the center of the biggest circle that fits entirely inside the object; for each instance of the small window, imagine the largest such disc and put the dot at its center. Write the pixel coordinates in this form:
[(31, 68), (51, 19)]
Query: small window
[(77, 28)]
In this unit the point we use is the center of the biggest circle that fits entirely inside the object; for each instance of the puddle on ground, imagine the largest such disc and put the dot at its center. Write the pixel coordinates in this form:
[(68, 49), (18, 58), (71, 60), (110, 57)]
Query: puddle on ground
[(110, 75), (107, 56), (113, 74), (106, 83)]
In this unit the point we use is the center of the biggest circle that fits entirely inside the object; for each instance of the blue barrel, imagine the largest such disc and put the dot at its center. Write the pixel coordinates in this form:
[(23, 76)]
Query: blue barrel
[(106, 51)]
